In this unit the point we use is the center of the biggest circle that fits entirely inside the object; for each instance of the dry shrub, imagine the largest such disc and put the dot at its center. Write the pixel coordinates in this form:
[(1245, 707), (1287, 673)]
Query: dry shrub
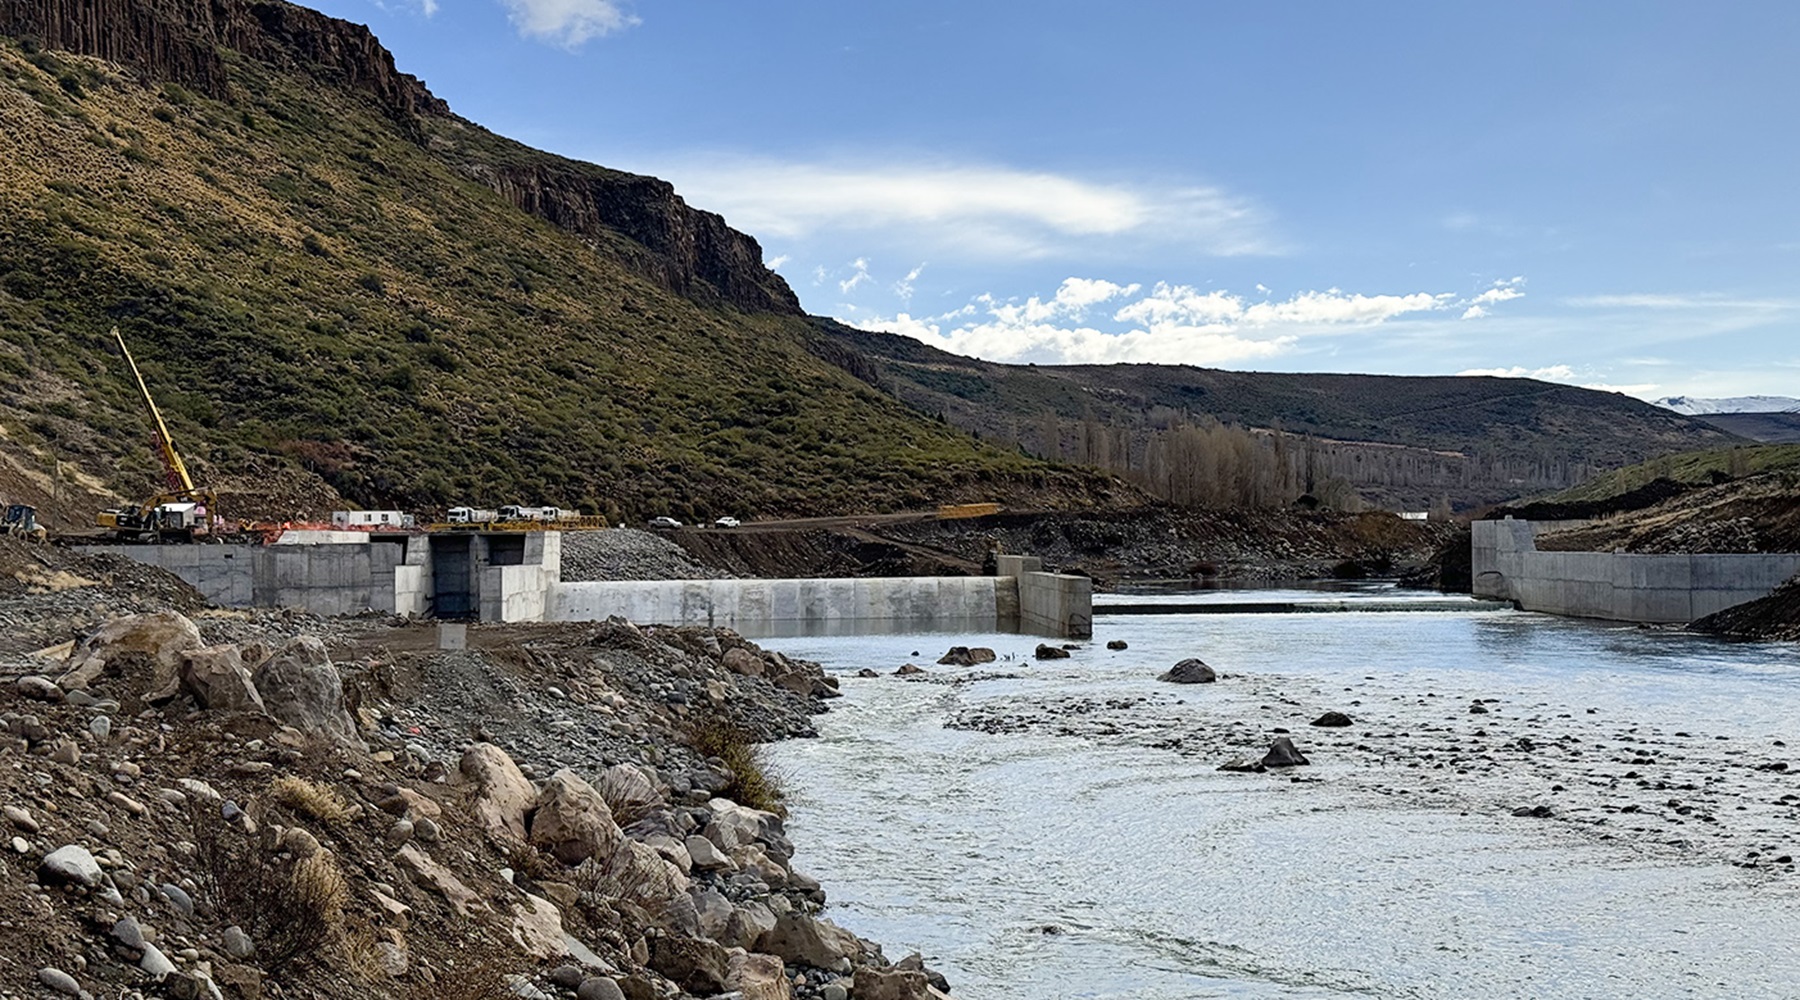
[(753, 782), (636, 876), (310, 799), (531, 862), (292, 911)]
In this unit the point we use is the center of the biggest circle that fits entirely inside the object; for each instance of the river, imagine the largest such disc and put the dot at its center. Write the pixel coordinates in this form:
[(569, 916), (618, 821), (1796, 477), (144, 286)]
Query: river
[(1058, 829)]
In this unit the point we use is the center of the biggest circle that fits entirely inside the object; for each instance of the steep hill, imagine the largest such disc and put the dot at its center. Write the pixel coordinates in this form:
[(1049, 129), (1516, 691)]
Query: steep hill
[(1477, 440), (333, 283), (1769, 428)]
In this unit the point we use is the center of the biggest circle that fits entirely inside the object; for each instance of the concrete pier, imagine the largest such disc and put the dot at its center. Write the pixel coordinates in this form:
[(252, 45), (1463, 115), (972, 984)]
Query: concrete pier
[(1621, 586)]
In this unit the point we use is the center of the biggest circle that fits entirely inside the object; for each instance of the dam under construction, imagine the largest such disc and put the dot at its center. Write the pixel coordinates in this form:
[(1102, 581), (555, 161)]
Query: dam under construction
[(506, 576)]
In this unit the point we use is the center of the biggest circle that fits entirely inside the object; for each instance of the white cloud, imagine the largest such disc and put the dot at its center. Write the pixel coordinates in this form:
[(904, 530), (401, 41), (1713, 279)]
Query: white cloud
[(774, 264), (1565, 374), (1549, 373), (1171, 324), (860, 273), (1504, 290), (1182, 304), (966, 210), (568, 23)]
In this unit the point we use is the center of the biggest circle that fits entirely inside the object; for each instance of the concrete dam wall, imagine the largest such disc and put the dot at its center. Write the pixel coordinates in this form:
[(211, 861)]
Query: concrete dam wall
[(760, 608), (1621, 586), (516, 577)]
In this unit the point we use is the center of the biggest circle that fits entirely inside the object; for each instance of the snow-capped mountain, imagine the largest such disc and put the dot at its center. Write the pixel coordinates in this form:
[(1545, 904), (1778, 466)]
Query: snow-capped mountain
[(1694, 406)]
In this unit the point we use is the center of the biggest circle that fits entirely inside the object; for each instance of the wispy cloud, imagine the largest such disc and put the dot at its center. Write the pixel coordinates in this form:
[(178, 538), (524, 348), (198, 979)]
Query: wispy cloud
[(968, 210), (903, 289), (568, 23), (1504, 290), (859, 274), (1682, 301)]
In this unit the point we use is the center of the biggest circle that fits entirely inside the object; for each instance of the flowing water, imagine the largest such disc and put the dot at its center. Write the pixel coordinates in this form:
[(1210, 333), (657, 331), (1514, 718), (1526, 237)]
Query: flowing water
[(1059, 829)]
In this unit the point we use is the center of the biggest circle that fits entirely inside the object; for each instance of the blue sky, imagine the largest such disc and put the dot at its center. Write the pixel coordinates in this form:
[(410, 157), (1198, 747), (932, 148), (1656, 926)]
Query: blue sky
[(1604, 193)]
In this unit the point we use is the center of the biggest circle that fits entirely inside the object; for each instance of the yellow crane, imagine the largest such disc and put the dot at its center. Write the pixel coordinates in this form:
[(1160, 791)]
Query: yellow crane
[(183, 510)]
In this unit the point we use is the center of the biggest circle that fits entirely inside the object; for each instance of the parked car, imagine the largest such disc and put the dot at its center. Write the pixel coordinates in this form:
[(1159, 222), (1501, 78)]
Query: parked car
[(664, 522), (727, 522)]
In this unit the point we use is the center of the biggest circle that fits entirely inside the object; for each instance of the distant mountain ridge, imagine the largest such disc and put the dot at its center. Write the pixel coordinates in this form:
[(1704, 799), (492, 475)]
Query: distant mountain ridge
[(1695, 406), (1403, 441)]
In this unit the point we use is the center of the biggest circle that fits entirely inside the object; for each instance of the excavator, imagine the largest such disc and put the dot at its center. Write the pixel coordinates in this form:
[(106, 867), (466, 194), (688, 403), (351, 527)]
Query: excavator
[(181, 513)]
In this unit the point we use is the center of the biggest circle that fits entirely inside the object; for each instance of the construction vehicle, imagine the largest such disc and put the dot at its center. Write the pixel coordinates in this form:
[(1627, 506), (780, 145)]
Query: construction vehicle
[(470, 515), (21, 522), (181, 513)]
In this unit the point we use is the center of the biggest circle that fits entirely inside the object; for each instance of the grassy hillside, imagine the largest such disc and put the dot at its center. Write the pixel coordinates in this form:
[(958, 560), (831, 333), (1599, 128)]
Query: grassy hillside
[(1693, 468), (312, 282), (1480, 439)]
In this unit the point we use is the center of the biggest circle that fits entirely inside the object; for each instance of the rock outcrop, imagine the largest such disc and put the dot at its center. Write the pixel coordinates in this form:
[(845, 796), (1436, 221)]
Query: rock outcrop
[(179, 41), (691, 252)]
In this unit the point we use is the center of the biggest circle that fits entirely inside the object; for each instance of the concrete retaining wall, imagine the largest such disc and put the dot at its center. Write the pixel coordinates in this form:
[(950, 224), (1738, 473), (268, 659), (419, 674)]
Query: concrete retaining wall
[(326, 579), (789, 607), (1621, 586), (1049, 603)]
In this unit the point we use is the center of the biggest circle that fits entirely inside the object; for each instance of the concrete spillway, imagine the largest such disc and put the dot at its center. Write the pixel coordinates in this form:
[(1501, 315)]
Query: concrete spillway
[(1293, 607)]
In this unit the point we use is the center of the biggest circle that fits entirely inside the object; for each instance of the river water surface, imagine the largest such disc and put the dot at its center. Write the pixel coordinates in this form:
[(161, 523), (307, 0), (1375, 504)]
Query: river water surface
[(1060, 830)]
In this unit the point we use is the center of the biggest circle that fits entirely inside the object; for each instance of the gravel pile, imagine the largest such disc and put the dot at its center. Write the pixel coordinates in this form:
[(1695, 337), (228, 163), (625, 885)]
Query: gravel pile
[(628, 554)]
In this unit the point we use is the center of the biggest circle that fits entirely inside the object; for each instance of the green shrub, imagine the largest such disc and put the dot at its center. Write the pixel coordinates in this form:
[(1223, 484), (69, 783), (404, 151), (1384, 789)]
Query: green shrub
[(753, 783)]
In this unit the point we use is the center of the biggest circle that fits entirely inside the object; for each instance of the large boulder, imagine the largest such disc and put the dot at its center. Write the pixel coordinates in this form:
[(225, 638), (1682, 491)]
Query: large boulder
[(748, 922), (1189, 671), (161, 637), (758, 977), (734, 826), (890, 984), (1045, 651), (537, 928), (572, 822), (695, 964), (301, 687), (216, 677), (503, 795), (630, 793), (739, 660), (802, 940), (1283, 753), (964, 656)]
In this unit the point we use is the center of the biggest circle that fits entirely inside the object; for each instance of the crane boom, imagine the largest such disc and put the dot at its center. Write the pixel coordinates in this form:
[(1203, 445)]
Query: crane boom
[(173, 467)]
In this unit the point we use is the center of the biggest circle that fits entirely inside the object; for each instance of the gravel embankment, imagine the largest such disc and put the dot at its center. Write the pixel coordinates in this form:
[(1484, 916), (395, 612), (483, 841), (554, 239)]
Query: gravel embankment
[(628, 554)]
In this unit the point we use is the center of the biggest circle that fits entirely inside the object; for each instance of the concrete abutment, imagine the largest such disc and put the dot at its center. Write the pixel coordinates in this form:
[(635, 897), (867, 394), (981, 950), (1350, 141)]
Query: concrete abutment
[(1655, 588)]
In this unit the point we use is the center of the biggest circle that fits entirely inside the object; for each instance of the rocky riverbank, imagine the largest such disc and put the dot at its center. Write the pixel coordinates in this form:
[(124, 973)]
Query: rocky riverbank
[(271, 805)]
